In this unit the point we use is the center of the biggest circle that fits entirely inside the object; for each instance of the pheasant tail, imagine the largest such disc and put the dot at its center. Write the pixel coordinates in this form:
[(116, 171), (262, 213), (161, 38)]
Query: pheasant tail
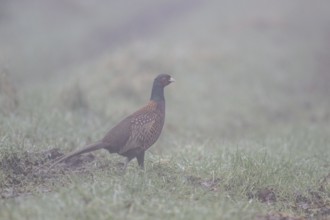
[(88, 148)]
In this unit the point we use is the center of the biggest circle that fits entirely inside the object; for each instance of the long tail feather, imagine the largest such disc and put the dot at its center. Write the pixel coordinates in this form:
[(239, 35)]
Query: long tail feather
[(88, 148)]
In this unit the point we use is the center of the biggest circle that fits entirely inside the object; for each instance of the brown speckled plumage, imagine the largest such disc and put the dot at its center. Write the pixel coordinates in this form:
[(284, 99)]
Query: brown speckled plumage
[(136, 133)]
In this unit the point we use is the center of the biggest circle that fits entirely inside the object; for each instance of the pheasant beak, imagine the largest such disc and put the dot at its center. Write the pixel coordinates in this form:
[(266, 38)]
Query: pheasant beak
[(172, 79)]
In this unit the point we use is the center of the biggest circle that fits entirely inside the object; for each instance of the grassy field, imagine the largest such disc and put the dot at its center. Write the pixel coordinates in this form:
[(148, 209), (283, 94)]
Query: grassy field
[(247, 131)]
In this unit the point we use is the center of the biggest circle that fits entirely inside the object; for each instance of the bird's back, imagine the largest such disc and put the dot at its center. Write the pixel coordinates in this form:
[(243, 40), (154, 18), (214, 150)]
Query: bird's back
[(138, 131)]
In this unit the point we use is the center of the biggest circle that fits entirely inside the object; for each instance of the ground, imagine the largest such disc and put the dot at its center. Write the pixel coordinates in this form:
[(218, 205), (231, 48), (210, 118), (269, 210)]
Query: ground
[(246, 133)]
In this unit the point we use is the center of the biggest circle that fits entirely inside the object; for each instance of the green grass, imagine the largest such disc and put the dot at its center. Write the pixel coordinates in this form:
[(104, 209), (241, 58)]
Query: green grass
[(241, 163), (184, 178)]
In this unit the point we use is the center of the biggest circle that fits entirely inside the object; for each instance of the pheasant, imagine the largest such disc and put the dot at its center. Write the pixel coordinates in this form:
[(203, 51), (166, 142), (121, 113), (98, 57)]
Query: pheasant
[(136, 133)]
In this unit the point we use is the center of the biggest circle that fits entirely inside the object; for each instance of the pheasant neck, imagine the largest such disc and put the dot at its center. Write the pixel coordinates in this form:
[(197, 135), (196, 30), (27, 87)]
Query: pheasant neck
[(157, 93)]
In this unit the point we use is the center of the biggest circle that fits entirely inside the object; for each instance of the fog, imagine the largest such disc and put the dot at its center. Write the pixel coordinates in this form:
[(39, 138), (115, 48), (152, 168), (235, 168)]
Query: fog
[(40, 37)]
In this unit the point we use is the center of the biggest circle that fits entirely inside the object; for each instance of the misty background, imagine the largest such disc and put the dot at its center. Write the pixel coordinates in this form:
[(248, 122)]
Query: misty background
[(240, 65)]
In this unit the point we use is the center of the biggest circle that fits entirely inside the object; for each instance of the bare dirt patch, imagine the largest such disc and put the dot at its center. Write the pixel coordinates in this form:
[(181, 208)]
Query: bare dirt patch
[(278, 216), (313, 204), (264, 195), (24, 173)]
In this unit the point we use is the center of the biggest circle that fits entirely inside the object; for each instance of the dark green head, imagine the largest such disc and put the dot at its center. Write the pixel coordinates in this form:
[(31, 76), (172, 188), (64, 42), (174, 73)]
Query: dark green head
[(162, 80)]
